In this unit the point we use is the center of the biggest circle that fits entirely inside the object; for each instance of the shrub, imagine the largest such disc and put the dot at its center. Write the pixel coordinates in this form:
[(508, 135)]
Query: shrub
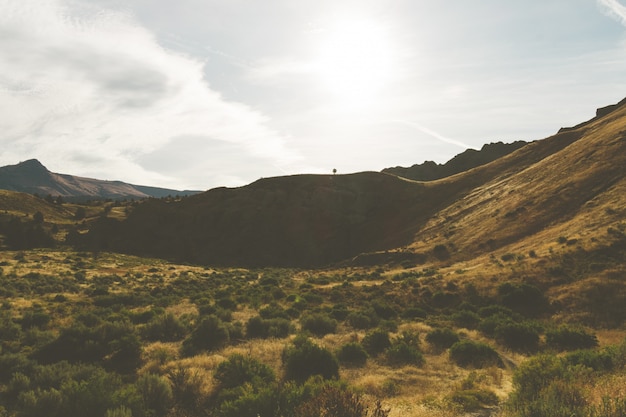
[(318, 324), (165, 328), (442, 338), (402, 353), (414, 313), (473, 399), (466, 319), (567, 338), (337, 402), (238, 370), (186, 388), (256, 327), (474, 354), (384, 310), (352, 355), (523, 298), (598, 361), (520, 337), (156, 394), (362, 321), (209, 335), (376, 342), (305, 359)]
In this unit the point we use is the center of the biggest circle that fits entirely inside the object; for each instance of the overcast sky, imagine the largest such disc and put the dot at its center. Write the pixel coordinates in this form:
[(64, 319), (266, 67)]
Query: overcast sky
[(195, 94)]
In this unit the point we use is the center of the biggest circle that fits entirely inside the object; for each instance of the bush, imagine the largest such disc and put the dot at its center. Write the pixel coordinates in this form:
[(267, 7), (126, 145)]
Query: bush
[(165, 328), (523, 298), (352, 355), (238, 370), (402, 353), (256, 327), (337, 402), (156, 394), (362, 321), (466, 319), (376, 342), (318, 324), (567, 338), (598, 361), (209, 335), (520, 337), (442, 338), (305, 359), (474, 354), (473, 399)]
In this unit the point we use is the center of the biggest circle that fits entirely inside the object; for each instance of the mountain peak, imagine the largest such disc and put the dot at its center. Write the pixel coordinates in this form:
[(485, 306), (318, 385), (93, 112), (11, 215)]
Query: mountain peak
[(32, 164)]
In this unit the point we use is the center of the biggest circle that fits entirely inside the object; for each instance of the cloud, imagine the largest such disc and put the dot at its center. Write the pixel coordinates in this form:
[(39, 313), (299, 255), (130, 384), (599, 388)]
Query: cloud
[(76, 80), (432, 133), (614, 9)]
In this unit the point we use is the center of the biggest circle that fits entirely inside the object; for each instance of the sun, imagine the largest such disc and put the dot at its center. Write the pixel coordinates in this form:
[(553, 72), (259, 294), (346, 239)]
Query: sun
[(354, 61)]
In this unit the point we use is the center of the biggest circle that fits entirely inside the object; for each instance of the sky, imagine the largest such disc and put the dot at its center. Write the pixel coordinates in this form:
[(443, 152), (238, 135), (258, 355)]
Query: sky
[(197, 94)]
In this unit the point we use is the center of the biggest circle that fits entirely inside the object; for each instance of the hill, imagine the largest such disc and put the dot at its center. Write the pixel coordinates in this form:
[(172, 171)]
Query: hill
[(33, 178), (572, 178), (468, 159)]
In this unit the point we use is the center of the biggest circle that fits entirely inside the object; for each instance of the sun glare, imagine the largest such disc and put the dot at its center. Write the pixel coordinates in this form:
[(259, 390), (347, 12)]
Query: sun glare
[(354, 61)]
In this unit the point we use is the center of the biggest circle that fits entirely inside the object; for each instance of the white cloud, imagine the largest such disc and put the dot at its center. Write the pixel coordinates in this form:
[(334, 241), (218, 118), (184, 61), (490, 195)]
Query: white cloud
[(615, 9), (78, 81)]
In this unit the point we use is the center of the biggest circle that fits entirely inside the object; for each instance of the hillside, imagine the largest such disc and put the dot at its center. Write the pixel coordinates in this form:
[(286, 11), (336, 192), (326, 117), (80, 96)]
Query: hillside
[(33, 178), (316, 220), (468, 159)]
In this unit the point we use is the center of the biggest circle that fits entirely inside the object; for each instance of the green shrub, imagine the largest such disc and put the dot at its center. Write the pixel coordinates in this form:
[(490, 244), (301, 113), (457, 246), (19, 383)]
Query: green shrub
[(567, 338), (337, 402), (318, 324), (256, 327), (238, 370), (466, 319), (402, 353), (155, 393), (165, 328), (361, 320), (442, 338), (305, 359), (523, 298), (120, 411), (414, 313), (376, 342), (473, 399), (467, 353), (597, 360), (520, 337), (352, 355), (209, 335), (186, 389)]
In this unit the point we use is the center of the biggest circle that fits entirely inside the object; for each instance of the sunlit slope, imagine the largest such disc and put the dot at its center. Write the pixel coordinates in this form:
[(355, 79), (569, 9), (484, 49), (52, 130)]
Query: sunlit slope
[(23, 205), (570, 185)]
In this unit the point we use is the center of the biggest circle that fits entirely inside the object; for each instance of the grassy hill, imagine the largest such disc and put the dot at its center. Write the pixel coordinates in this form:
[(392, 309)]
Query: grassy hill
[(498, 291)]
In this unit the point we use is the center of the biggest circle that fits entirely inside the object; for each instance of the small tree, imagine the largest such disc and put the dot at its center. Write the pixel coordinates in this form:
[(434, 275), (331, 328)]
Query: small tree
[(38, 217)]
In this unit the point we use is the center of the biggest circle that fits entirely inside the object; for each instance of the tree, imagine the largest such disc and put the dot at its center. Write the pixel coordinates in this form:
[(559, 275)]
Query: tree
[(38, 217)]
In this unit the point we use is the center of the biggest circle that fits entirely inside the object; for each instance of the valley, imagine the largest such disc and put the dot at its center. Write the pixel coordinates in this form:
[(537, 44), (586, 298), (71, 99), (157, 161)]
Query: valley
[(498, 290)]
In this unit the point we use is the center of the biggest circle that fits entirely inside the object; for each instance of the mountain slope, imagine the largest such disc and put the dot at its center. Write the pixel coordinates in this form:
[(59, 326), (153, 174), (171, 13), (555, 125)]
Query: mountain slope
[(33, 178), (580, 178), (315, 220), (470, 158)]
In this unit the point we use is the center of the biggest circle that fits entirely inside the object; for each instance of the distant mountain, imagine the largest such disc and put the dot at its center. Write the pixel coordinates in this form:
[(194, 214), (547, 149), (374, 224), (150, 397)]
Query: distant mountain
[(33, 178), (471, 158), (568, 187)]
